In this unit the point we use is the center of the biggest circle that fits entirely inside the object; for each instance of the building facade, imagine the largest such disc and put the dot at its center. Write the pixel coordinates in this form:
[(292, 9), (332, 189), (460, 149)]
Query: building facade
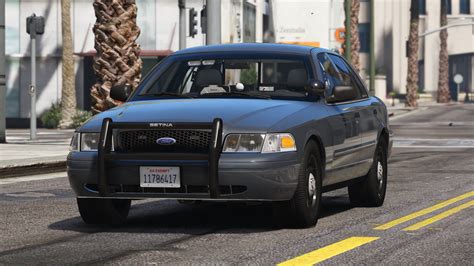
[(392, 25)]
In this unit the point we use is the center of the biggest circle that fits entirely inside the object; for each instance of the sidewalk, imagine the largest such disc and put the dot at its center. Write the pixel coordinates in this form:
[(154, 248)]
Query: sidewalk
[(22, 156)]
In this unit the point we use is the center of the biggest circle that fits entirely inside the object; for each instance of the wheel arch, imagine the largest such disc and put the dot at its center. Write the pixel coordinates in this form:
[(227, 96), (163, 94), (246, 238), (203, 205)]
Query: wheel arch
[(317, 139), (384, 135)]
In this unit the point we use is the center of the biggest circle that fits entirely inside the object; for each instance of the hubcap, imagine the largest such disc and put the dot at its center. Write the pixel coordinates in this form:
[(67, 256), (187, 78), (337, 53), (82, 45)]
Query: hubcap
[(311, 189), (380, 173)]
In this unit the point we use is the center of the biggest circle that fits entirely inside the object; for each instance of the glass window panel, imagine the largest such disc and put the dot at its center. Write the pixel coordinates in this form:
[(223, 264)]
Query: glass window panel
[(13, 87), (12, 26), (146, 21), (364, 37), (465, 6), (422, 7), (249, 23), (83, 22)]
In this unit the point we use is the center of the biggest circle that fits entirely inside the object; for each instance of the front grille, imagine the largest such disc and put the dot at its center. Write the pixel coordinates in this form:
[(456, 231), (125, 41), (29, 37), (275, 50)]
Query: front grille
[(187, 141)]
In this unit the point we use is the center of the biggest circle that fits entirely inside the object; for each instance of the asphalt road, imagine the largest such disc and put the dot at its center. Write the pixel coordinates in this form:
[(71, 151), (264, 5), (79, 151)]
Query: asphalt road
[(432, 162)]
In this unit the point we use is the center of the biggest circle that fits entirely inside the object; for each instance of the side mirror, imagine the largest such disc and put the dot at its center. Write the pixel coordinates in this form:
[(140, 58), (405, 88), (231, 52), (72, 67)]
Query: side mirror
[(316, 87), (342, 94), (121, 92)]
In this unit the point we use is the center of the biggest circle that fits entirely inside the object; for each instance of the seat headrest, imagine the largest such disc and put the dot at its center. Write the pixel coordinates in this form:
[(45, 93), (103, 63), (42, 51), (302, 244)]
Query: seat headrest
[(297, 77), (206, 77)]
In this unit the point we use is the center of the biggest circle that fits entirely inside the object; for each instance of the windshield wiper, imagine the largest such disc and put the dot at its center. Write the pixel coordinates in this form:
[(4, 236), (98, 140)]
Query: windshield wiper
[(261, 96), (168, 94)]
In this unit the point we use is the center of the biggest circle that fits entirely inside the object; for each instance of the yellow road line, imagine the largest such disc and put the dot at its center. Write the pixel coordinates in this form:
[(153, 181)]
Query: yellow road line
[(330, 251), (424, 211), (439, 216)]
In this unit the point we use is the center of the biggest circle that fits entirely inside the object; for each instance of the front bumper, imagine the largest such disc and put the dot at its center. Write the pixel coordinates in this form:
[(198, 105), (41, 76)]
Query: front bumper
[(249, 177)]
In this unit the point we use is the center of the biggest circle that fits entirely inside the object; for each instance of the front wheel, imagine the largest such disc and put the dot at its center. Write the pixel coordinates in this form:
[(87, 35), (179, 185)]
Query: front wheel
[(103, 211), (303, 209), (371, 191)]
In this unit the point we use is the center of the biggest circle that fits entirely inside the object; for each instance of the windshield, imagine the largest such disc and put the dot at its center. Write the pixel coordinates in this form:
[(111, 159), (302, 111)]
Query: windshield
[(261, 78)]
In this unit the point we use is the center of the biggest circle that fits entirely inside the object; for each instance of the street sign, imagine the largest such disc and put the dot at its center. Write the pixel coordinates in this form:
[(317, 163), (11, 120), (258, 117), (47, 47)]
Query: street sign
[(458, 79), (340, 35)]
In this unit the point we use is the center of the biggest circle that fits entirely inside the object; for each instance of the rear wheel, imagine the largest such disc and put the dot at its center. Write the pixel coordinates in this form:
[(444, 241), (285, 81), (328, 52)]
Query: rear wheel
[(103, 211), (371, 191), (303, 209)]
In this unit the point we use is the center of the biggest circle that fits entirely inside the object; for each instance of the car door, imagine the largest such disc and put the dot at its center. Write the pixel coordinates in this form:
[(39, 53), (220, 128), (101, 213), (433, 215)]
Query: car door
[(344, 119), (366, 113), (368, 121)]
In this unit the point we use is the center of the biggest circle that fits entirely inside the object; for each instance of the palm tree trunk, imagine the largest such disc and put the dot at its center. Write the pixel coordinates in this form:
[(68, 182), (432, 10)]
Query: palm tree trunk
[(355, 42), (412, 75), (117, 61), (354, 33), (68, 92), (443, 76)]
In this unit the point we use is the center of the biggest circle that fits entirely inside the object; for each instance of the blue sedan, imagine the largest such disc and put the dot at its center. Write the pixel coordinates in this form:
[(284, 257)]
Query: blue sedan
[(237, 122)]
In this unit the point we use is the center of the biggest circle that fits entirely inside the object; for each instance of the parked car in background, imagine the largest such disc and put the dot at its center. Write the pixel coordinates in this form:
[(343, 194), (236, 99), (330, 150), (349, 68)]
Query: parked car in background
[(239, 122)]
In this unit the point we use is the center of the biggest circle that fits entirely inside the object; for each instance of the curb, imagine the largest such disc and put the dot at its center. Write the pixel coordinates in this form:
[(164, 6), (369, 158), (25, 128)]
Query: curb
[(35, 169)]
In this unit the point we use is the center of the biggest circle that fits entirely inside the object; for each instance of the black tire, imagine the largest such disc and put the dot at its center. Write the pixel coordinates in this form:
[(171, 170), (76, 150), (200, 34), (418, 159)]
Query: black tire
[(303, 209), (104, 211), (371, 191)]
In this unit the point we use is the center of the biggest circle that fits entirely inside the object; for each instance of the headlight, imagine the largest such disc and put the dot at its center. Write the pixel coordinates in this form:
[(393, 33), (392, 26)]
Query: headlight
[(89, 141), (243, 143), (265, 143), (74, 146), (280, 142)]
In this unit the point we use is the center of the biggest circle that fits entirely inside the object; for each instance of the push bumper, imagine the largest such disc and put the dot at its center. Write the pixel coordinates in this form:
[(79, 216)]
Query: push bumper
[(241, 177), (213, 176)]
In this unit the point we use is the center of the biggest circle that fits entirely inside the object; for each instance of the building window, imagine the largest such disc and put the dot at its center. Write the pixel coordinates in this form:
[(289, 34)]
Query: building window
[(249, 21), (364, 37), (422, 7), (448, 7), (464, 7)]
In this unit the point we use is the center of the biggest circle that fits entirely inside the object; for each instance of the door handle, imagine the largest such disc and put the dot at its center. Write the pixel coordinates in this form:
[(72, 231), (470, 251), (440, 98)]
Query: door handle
[(357, 115), (375, 111)]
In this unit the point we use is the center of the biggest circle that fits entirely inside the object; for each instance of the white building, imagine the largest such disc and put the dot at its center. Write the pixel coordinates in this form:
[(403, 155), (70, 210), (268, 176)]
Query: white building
[(308, 22), (392, 25)]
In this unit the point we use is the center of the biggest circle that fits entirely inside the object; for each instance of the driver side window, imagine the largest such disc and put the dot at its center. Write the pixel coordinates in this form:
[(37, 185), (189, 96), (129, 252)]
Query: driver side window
[(347, 76), (337, 73)]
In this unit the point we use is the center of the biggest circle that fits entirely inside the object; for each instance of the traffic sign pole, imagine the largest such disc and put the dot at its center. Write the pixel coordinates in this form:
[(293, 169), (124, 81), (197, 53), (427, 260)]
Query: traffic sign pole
[(34, 26), (33, 90)]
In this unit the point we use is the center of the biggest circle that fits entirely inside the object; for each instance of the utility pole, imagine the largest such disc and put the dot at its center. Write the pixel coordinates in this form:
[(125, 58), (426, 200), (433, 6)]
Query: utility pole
[(182, 24), (2, 73), (372, 47), (34, 26), (213, 33), (347, 33)]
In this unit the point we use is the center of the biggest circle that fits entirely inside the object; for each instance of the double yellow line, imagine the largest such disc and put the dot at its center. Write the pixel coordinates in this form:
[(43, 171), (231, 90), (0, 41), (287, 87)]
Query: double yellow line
[(429, 210), (350, 243)]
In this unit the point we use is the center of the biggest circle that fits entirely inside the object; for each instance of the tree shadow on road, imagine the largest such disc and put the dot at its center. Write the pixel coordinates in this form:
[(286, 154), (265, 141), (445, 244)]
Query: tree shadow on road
[(168, 216)]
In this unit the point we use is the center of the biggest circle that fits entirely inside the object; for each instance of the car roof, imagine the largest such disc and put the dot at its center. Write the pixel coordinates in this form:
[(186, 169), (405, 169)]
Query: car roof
[(252, 48)]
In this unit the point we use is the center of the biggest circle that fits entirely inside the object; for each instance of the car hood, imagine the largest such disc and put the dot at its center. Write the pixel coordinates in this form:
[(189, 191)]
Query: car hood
[(245, 115)]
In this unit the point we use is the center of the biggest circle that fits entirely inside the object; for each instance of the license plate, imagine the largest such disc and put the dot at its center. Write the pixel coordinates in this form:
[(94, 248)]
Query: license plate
[(159, 176)]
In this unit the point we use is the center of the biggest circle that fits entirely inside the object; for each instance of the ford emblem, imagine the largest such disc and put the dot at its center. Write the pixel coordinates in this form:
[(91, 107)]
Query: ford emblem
[(165, 141)]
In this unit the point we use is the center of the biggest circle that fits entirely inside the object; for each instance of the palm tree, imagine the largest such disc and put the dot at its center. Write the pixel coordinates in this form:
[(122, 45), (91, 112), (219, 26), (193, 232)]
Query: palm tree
[(354, 33), (412, 75), (68, 92), (355, 42), (443, 76), (117, 61)]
